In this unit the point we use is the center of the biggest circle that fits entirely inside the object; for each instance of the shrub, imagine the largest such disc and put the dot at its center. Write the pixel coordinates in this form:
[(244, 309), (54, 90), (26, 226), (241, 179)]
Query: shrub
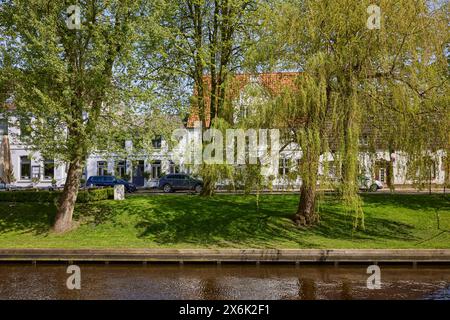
[(93, 195), (110, 193), (28, 196), (84, 196)]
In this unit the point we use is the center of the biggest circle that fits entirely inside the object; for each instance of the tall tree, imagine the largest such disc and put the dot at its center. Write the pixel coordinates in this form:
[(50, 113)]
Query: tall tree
[(334, 43), (206, 44), (72, 77)]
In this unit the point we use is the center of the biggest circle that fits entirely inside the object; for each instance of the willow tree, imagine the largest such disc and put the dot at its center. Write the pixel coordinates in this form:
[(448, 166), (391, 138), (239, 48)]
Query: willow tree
[(341, 45), (73, 67), (205, 45)]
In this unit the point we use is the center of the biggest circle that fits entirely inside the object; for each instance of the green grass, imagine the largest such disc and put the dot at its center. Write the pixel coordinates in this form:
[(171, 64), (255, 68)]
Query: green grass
[(186, 221)]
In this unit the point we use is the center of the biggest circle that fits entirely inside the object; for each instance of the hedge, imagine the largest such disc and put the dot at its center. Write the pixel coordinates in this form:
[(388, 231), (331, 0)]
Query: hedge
[(84, 196)]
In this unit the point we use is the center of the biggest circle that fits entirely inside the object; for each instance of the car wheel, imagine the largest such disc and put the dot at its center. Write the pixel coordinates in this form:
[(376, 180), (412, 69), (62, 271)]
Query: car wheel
[(198, 188), (167, 188), (373, 188)]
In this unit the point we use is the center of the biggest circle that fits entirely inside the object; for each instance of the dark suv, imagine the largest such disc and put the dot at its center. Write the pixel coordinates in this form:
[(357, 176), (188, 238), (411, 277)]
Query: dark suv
[(179, 181), (109, 181)]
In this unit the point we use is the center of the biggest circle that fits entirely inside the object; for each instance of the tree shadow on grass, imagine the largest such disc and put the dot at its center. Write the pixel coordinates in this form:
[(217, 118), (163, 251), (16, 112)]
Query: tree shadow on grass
[(95, 214), (339, 225), (223, 221), (39, 218), (418, 202), (218, 221), (26, 217)]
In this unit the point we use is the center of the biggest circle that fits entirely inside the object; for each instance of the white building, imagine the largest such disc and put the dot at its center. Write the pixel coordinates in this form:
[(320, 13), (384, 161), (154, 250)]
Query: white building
[(31, 169)]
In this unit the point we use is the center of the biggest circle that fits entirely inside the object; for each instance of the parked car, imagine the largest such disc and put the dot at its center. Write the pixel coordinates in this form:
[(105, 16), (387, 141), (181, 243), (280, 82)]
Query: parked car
[(368, 184), (4, 187), (179, 181), (109, 181), (10, 187)]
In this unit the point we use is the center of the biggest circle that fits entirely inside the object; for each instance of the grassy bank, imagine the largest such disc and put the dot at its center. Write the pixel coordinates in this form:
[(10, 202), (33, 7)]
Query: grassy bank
[(186, 221)]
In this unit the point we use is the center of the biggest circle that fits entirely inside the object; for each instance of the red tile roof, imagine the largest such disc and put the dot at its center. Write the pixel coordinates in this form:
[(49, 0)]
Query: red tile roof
[(274, 83)]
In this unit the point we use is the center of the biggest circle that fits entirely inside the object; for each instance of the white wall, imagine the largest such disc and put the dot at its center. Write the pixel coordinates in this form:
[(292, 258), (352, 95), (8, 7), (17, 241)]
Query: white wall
[(164, 155)]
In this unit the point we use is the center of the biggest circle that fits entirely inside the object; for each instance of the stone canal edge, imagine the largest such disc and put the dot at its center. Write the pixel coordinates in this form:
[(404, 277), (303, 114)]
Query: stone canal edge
[(297, 256)]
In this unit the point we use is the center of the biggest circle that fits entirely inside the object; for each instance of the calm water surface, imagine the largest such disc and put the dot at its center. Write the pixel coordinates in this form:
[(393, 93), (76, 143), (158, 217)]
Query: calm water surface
[(222, 282)]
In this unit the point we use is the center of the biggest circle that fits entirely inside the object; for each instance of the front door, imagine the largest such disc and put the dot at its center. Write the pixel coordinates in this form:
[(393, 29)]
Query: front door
[(138, 174), (382, 171)]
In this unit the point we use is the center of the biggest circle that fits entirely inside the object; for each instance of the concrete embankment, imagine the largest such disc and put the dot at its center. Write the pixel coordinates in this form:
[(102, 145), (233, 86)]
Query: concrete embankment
[(229, 255)]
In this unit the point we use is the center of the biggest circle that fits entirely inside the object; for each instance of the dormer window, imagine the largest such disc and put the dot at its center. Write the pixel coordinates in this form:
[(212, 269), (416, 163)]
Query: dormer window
[(254, 80), (364, 140), (156, 142), (251, 97)]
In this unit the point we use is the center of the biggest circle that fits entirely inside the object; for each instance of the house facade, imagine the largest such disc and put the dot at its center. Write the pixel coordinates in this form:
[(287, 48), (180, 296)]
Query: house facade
[(246, 91), (31, 169)]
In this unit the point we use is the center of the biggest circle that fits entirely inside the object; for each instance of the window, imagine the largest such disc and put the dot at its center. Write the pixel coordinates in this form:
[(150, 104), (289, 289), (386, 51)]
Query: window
[(432, 170), (382, 175), (25, 168), (121, 168), (332, 169), (156, 169), (174, 168), (3, 127), (102, 169), (284, 167), (49, 169), (122, 142), (446, 169), (156, 143), (84, 173), (364, 140)]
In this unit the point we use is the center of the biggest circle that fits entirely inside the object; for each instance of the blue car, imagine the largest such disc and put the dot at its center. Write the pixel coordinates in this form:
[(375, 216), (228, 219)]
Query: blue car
[(109, 181), (179, 181)]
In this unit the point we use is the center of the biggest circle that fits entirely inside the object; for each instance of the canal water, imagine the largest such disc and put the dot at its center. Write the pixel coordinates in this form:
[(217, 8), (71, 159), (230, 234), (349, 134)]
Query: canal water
[(155, 281)]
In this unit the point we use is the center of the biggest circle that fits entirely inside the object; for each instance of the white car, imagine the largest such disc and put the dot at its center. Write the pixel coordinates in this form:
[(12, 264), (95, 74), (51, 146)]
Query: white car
[(368, 184)]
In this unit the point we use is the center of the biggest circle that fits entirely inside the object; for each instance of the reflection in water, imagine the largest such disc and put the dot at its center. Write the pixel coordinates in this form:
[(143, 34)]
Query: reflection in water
[(346, 291), (443, 294), (307, 289), (225, 282)]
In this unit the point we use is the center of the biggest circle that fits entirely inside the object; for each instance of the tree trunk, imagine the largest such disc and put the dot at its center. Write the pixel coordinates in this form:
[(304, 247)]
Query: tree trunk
[(208, 188), (390, 171), (209, 177), (63, 221), (306, 213)]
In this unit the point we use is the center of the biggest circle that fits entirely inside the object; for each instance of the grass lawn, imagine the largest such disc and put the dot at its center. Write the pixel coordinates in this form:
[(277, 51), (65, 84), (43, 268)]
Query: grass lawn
[(188, 221)]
